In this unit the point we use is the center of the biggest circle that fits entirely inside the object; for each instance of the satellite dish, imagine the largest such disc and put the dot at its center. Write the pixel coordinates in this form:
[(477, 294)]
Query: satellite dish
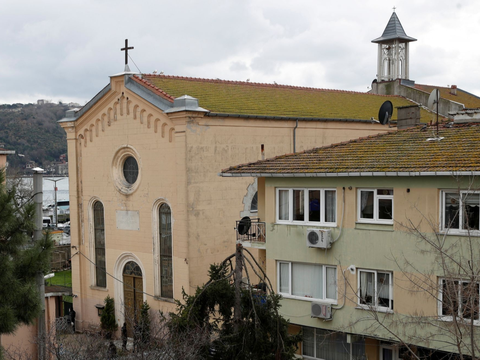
[(244, 225), (433, 99), (385, 112)]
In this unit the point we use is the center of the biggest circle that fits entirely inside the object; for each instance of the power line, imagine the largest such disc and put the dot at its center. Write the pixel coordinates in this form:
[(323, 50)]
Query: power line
[(113, 277), (135, 64)]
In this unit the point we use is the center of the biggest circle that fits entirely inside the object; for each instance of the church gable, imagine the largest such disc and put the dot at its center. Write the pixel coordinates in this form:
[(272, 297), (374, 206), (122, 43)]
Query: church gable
[(120, 106)]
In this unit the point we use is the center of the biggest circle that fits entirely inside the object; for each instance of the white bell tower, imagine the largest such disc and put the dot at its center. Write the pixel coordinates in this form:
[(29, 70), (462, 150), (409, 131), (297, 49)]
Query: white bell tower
[(393, 62)]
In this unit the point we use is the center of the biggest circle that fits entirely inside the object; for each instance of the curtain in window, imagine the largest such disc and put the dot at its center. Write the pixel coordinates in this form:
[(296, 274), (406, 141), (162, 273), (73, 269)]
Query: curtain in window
[(383, 289), (166, 266), (470, 211), (308, 346), (331, 345), (367, 290), (99, 234), (331, 283), (451, 219), (366, 204), (330, 206), (283, 206), (307, 280), (284, 278)]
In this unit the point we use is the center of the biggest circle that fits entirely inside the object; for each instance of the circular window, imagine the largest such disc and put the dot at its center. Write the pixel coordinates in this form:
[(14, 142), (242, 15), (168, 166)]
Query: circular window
[(126, 172), (130, 170)]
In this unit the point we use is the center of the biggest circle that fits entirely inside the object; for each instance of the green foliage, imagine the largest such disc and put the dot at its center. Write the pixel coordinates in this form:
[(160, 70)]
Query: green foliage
[(144, 324), (262, 332), (32, 130), (107, 320), (20, 260)]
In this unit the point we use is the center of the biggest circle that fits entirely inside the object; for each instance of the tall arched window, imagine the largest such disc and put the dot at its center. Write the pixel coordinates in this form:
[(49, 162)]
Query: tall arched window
[(99, 234), (166, 266)]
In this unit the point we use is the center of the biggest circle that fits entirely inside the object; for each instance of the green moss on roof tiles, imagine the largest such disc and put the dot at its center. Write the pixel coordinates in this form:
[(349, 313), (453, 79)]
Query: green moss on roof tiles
[(469, 100), (244, 98), (399, 151)]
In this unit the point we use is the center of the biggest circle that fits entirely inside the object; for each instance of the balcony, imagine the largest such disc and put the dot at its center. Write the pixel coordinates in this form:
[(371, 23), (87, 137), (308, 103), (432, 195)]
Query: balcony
[(251, 232)]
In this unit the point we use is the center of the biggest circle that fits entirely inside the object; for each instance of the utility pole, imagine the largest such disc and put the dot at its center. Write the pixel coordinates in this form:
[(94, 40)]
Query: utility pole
[(37, 235), (55, 214), (237, 310)]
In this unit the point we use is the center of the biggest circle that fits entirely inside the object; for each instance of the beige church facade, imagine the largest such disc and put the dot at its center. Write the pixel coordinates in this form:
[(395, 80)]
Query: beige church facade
[(149, 212)]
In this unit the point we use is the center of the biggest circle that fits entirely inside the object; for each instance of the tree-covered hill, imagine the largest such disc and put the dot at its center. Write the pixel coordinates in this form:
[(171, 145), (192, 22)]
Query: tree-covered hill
[(32, 131)]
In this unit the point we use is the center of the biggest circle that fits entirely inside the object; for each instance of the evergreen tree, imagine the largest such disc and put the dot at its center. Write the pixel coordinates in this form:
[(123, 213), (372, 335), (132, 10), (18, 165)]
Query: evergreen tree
[(261, 333), (144, 324), (21, 259), (107, 320)]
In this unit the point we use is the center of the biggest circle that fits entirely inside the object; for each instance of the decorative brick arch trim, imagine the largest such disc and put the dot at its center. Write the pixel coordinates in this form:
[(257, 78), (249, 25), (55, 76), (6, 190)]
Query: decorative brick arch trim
[(122, 260)]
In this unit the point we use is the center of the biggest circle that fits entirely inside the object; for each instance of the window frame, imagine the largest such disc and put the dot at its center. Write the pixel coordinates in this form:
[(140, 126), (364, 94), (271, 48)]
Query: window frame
[(375, 306), (459, 315), (306, 220), (376, 199), (165, 255), (99, 281), (338, 339), (460, 230), (289, 295)]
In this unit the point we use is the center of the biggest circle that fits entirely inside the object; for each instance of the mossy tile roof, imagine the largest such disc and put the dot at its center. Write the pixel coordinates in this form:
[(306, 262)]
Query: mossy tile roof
[(254, 99), (403, 151), (469, 100)]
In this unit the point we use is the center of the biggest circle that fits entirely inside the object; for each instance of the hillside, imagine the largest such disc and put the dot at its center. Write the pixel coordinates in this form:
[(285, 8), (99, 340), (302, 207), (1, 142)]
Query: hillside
[(32, 131)]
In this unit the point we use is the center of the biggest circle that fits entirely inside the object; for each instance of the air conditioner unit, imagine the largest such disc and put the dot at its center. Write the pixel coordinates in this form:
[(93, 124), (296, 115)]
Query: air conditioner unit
[(319, 238), (322, 311)]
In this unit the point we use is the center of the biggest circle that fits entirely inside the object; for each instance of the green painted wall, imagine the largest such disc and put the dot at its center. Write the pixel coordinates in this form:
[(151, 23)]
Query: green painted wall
[(371, 246)]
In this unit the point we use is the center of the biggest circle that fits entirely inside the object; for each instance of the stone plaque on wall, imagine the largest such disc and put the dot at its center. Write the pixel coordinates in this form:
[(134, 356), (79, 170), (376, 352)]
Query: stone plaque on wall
[(128, 220)]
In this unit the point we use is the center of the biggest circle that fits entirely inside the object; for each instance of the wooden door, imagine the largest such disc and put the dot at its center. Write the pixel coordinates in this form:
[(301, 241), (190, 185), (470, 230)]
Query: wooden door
[(133, 295)]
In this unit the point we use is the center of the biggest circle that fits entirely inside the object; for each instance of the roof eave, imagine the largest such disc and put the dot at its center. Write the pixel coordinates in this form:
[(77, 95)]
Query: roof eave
[(78, 113), (354, 174), (382, 39)]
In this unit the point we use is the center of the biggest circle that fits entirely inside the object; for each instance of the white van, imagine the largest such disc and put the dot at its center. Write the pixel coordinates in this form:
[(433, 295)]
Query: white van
[(47, 222)]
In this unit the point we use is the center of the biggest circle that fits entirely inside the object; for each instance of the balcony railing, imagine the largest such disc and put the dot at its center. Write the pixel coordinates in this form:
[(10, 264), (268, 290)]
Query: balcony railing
[(250, 231)]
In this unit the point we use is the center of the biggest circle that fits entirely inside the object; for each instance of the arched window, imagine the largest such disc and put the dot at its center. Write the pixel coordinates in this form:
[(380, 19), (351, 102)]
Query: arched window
[(254, 203), (166, 266), (99, 234)]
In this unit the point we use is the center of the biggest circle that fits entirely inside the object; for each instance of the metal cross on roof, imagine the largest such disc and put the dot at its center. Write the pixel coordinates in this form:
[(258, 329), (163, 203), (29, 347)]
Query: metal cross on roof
[(394, 9), (126, 48)]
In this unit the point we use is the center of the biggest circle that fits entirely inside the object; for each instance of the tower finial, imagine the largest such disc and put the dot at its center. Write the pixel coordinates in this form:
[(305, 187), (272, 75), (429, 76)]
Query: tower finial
[(394, 9)]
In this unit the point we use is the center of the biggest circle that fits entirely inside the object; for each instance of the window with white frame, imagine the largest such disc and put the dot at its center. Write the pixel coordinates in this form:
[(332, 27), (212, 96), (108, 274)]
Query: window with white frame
[(312, 206), (324, 344), (460, 211), (375, 289), (375, 205), (99, 238), (459, 298), (307, 281)]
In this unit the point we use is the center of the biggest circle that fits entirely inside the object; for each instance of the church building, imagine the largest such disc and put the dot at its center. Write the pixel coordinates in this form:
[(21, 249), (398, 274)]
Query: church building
[(149, 212)]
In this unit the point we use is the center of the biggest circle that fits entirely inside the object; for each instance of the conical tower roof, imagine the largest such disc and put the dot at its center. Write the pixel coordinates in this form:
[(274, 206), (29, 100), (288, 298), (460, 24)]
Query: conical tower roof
[(394, 30)]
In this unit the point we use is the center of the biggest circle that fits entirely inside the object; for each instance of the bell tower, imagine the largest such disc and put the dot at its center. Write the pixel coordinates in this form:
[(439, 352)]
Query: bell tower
[(393, 53)]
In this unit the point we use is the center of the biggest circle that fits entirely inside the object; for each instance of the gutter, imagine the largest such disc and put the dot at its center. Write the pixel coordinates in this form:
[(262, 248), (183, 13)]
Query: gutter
[(356, 174), (269, 117)]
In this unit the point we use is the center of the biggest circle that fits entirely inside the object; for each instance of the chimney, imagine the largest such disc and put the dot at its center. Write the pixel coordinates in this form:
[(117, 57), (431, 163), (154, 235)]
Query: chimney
[(453, 90), (408, 116)]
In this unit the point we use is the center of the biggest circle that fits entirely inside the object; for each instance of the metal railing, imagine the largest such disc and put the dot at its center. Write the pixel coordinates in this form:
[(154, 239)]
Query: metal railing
[(251, 230)]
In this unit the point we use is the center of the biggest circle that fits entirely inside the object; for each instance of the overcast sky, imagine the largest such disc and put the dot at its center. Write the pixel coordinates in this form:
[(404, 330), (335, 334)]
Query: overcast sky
[(66, 50)]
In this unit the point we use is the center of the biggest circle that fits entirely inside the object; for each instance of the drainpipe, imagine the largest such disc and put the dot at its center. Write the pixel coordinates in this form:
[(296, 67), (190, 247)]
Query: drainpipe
[(295, 137)]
